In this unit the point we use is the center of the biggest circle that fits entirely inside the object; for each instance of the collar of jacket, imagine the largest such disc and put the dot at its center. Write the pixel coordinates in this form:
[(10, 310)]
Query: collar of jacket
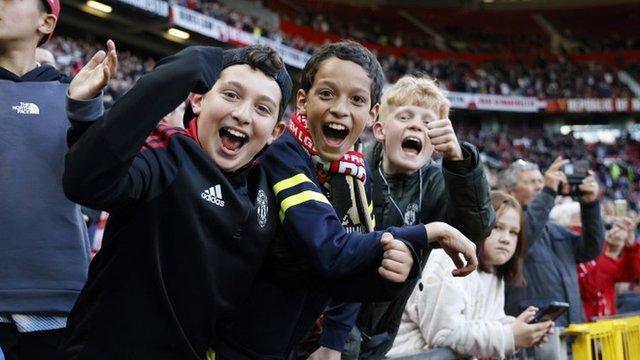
[(40, 73)]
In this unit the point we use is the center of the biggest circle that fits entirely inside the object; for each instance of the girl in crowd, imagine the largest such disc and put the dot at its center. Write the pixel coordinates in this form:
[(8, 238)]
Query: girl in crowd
[(467, 313)]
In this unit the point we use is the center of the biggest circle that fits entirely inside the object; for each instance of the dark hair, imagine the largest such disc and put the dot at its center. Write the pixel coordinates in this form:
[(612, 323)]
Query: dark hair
[(268, 61), (350, 51), (512, 270), (43, 6)]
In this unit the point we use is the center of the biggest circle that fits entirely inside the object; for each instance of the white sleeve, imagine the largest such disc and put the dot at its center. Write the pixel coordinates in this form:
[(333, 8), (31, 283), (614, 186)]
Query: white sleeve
[(444, 319)]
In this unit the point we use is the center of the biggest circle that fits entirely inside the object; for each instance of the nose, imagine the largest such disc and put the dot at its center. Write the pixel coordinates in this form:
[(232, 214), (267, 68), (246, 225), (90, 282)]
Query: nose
[(242, 113), (504, 237), (339, 108)]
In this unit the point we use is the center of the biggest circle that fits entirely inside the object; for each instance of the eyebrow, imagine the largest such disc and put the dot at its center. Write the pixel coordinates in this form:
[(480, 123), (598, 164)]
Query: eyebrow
[(334, 85), (261, 96)]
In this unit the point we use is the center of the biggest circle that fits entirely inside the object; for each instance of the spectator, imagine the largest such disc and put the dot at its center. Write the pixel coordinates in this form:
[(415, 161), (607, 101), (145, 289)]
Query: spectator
[(620, 262), (44, 247), (409, 187), (552, 251), (466, 314), (313, 261), (176, 196)]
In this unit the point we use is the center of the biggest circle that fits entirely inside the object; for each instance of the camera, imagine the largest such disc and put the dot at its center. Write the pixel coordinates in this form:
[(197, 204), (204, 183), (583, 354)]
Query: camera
[(576, 171)]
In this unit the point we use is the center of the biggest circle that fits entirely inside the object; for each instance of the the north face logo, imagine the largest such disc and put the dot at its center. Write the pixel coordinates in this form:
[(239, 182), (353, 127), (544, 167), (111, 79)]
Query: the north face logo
[(26, 108), (214, 195)]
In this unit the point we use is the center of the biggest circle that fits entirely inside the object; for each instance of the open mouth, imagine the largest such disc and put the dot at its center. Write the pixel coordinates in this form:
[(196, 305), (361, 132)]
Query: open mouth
[(411, 145), (334, 133), (232, 139)]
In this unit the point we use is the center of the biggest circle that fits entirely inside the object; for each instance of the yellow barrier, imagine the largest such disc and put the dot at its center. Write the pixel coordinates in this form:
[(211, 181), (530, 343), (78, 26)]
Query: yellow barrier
[(615, 339)]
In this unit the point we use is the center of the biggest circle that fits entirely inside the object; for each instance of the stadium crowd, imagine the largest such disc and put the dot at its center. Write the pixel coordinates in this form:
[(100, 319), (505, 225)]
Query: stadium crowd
[(544, 77), (617, 165), (343, 270)]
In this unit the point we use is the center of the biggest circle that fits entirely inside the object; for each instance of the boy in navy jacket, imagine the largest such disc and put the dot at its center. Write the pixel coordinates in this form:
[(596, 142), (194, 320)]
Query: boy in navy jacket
[(44, 247), (322, 249)]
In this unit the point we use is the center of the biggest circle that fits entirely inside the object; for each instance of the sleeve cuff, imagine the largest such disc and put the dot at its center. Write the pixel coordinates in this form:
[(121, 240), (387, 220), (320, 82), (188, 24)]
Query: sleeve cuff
[(334, 336), (416, 235), (85, 110), (549, 191), (464, 166)]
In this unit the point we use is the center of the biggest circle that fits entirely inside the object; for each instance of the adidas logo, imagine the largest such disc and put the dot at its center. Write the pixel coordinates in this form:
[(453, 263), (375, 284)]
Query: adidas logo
[(26, 108), (213, 195)]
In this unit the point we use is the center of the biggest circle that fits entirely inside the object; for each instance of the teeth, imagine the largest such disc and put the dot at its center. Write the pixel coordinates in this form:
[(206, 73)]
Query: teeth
[(414, 139), (236, 133), (335, 126)]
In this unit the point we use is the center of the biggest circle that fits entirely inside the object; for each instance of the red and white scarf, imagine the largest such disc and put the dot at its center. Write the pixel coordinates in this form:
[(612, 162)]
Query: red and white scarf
[(351, 163)]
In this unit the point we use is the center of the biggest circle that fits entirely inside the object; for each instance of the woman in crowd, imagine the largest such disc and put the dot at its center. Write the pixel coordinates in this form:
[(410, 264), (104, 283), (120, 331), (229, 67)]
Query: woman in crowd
[(466, 313)]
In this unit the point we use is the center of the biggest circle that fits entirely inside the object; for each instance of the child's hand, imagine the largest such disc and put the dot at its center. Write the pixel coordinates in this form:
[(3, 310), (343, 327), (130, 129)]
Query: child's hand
[(95, 75), (454, 243), (396, 260), (525, 334), (443, 138)]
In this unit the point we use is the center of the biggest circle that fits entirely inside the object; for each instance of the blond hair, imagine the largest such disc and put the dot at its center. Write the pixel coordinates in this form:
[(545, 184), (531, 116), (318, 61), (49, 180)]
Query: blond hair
[(417, 91)]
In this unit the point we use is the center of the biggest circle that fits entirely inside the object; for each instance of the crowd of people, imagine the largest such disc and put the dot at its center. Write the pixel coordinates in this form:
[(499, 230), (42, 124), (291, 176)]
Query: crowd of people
[(542, 77), (615, 164), (237, 233)]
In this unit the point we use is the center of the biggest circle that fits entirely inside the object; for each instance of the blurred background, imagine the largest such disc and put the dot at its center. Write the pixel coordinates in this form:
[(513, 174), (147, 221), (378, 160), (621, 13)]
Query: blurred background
[(531, 79)]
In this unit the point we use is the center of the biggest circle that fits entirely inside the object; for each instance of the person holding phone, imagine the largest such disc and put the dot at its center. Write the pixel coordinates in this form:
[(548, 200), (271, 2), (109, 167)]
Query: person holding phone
[(466, 314), (552, 250)]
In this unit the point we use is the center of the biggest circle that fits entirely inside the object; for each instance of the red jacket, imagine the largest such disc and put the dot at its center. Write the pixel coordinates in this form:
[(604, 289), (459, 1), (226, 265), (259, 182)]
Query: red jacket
[(598, 278)]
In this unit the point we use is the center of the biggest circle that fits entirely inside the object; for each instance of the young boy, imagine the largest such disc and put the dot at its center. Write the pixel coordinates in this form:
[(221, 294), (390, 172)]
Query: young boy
[(190, 215), (409, 187), (313, 168), (44, 248)]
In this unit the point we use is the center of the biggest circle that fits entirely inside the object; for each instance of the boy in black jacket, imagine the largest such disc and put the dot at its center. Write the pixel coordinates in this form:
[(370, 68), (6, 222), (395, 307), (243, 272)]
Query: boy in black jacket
[(190, 214)]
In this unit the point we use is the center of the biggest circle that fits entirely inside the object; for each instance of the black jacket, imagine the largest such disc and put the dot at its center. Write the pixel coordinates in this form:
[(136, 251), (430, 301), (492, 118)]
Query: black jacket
[(184, 240)]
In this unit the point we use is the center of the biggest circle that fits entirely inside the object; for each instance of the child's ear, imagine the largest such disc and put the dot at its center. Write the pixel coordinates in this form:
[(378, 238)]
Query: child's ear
[(301, 102), (378, 131), (277, 131), (196, 103), (47, 24), (373, 114)]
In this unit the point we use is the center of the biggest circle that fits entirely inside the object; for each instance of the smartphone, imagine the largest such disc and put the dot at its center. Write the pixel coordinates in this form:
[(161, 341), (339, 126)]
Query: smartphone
[(621, 208), (551, 312)]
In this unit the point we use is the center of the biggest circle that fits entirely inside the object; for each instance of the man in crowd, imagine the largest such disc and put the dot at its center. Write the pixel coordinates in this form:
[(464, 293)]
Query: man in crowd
[(552, 250), (44, 248)]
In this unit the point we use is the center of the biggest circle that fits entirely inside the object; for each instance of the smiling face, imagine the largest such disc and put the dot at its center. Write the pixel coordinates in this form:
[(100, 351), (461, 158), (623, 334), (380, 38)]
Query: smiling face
[(404, 134), (238, 116), (337, 106), (501, 244)]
